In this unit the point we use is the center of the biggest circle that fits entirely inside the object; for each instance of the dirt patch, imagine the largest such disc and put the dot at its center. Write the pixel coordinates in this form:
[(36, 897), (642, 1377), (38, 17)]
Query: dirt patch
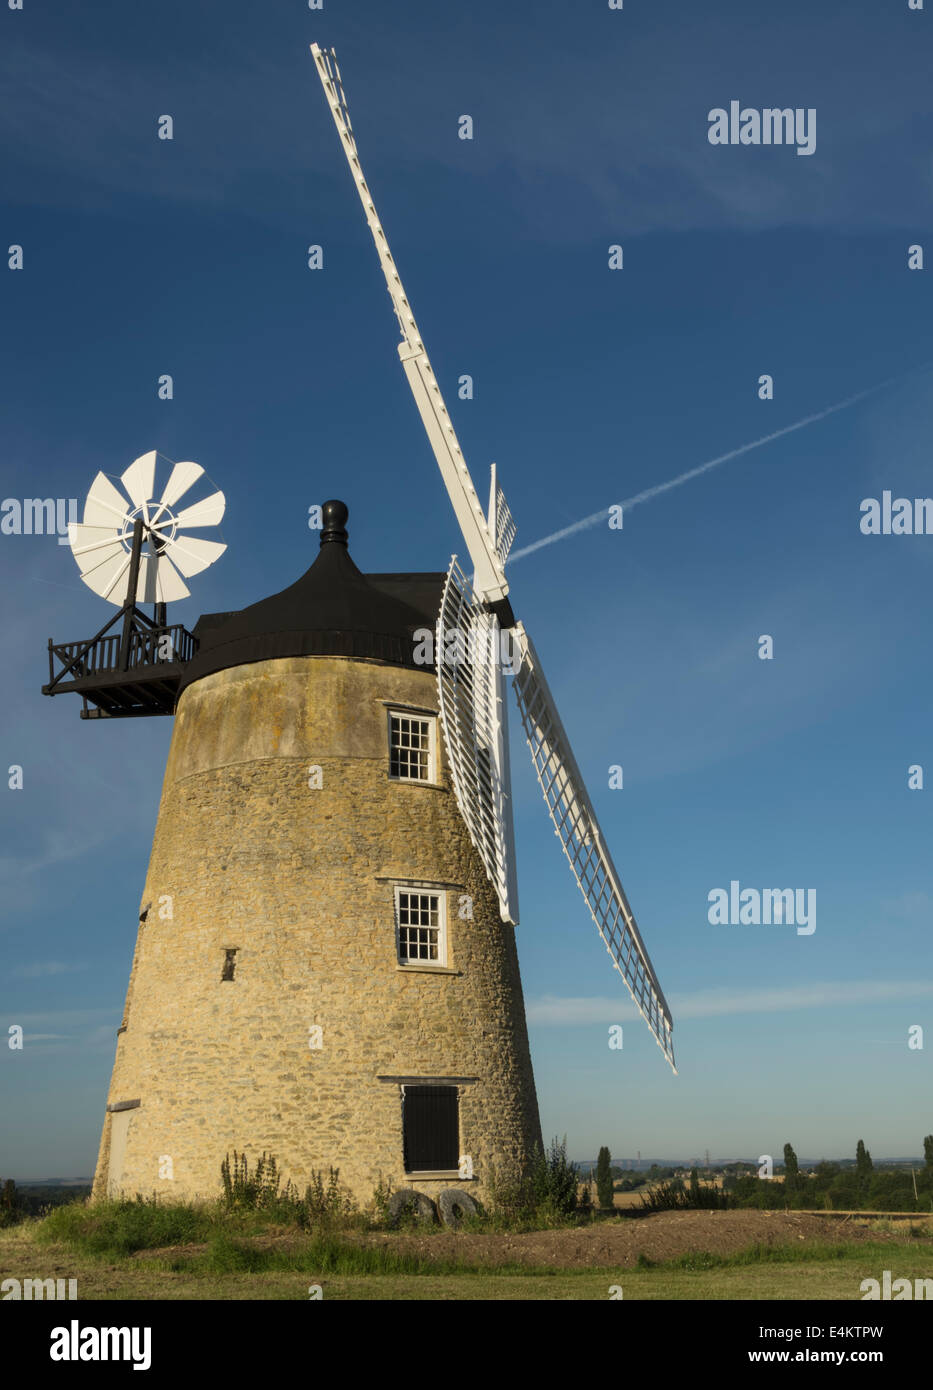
[(605, 1244), (662, 1236)]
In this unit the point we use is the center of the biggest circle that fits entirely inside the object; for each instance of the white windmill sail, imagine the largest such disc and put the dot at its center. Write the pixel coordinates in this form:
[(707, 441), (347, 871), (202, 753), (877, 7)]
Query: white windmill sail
[(578, 831), (102, 543), (502, 528), (474, 721), (465, 712), (489, 576)]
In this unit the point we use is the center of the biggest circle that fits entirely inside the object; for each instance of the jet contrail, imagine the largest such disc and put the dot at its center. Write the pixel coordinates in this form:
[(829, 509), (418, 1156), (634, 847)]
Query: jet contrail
[(652, 492)]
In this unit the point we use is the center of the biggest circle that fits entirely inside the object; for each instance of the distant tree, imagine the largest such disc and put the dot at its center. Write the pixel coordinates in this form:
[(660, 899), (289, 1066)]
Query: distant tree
[(928, 1151), (758, 1192), (791, 1170), (694, 1182), (843, 1191), (891, 1191), (604, 1179), (863, 1165), (825, 1172), (12, 1206)]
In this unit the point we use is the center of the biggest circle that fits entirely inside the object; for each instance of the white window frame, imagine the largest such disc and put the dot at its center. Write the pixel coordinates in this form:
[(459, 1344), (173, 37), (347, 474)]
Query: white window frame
[(422, 962), (400, 712)]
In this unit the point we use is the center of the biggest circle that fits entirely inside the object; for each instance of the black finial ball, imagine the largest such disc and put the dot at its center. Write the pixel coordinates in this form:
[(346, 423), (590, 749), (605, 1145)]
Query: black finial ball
[(334, 516)]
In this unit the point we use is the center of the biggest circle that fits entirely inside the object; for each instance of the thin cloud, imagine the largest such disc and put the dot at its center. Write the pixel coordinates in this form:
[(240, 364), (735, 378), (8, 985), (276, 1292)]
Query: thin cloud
[(40, 969), (62, 1018), (62, 846), (554, 1011), (564, 176), (915, 908)]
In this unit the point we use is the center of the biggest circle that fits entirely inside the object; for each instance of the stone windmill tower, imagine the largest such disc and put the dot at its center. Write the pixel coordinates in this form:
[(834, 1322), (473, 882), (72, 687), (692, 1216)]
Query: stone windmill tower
[(321, 970), (326, 967)]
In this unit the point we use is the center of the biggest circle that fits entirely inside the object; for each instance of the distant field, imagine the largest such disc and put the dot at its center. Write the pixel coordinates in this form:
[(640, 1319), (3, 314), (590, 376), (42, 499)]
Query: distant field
[(625, 1200), (672, 1255), (628, 1199)]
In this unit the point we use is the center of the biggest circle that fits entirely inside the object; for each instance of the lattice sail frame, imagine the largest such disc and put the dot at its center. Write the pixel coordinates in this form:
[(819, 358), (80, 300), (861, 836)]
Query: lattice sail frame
[(578, 831), (474, 722), (502, 528), (506, 529)]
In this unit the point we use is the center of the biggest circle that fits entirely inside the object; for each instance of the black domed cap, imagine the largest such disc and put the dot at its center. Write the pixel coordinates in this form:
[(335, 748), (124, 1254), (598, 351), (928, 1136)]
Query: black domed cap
[(332, 610), (334, 515)]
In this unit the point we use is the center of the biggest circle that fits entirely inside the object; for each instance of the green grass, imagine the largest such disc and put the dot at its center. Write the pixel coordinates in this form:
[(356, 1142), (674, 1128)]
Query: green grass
[(148, 1250), (143, 1279), (319, 1255), (807, 1252), (798, 1280), (117, 1231), (111, 1230)]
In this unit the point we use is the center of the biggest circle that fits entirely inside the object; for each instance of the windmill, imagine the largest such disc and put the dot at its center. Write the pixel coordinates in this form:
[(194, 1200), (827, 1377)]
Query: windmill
[(475, 615), (324, 966)]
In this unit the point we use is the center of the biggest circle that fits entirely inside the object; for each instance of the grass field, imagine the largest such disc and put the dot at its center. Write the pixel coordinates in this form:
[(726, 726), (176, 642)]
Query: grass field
[(785, 1259)]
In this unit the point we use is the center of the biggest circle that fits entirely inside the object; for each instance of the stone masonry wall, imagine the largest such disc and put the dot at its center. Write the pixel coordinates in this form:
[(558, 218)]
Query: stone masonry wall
[(299, 881)]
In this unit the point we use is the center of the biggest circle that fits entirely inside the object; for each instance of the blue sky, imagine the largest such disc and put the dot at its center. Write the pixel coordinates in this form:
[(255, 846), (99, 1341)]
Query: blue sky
[(590, 128)]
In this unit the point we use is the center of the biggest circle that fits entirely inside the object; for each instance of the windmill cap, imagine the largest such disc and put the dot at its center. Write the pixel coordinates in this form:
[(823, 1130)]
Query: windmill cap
[(332, 610), (334, 515)]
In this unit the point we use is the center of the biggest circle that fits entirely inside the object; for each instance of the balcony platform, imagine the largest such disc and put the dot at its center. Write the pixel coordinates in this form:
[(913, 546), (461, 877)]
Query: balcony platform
[(121, 675)]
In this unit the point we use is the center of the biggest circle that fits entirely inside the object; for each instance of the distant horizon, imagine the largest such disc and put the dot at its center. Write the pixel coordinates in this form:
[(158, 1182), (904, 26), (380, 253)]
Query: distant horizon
[(639, 1166)]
